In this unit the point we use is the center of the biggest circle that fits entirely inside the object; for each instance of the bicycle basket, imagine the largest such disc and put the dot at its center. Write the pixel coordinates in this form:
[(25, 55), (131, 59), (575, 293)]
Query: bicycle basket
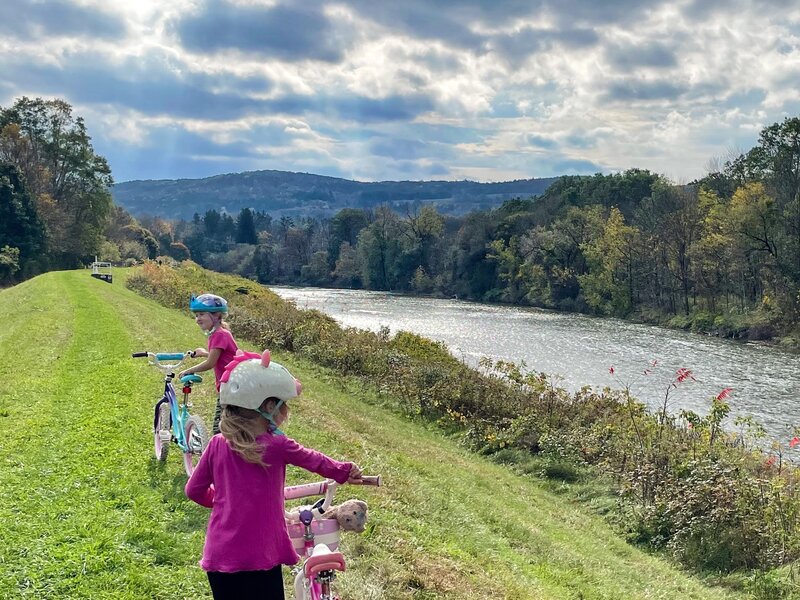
[(326, 531)]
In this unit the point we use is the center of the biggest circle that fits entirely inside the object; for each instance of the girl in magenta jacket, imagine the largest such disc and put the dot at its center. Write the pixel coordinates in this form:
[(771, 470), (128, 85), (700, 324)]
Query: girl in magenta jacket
[(241, 476)]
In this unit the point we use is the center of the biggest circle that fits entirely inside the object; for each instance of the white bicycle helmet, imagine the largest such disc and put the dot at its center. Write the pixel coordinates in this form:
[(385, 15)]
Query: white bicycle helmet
[(251, 378)]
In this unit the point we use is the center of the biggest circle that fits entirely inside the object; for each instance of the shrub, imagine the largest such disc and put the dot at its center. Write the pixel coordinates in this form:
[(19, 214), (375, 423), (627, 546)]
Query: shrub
[(702, 321)]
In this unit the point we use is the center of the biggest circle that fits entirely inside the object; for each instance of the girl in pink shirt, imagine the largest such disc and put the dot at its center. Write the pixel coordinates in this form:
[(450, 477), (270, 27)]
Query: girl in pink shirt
[(241, 477), (209, 311)]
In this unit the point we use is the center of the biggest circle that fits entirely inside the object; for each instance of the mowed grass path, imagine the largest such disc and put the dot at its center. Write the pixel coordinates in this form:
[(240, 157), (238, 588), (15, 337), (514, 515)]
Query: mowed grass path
[(87, 512)]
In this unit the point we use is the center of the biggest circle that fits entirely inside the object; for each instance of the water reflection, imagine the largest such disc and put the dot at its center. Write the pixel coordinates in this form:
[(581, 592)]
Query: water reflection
[(579, 350)]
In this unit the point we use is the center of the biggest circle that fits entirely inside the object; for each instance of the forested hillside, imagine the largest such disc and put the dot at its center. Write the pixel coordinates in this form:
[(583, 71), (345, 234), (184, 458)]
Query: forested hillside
[(299, 195)]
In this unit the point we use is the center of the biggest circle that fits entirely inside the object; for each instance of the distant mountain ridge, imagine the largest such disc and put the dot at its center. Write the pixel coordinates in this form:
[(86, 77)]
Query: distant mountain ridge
[(285, 193)]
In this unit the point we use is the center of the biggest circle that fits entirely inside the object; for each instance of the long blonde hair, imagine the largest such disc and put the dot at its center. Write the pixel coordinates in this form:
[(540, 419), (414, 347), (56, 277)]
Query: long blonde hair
[(240, 426), (221, 322)]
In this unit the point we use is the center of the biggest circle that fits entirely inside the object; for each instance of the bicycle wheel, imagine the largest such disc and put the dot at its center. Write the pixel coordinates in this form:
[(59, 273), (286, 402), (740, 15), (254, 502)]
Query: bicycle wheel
[(196, 438), (161, 432)]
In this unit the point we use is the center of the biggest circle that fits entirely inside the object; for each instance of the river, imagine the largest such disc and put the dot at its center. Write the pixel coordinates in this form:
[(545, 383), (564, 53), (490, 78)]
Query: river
[(579, 350)]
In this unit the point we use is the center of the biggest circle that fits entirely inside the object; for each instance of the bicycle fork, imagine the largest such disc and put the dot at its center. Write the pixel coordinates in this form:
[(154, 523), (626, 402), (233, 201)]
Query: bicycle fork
[(317, 587), (181, 414)]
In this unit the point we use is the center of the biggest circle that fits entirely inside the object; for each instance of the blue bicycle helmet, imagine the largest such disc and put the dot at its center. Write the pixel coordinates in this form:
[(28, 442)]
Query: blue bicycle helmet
[(208, 303)]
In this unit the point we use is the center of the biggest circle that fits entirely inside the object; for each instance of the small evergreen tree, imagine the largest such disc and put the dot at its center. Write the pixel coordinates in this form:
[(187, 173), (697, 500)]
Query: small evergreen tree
[(246, 228)]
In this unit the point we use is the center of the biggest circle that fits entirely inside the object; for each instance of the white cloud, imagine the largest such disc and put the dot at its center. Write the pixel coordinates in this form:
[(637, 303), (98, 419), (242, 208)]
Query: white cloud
[(511, 89)]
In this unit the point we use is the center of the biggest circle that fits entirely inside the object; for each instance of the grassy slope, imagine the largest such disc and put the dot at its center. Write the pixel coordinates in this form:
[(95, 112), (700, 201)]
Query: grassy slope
[(88, 513)]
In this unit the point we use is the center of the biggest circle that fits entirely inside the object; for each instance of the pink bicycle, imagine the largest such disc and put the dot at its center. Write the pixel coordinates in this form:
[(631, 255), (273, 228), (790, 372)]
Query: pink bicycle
[(316, 539)]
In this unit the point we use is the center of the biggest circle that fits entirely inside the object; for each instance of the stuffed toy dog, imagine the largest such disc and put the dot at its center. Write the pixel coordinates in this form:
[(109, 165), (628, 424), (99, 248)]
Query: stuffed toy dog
[(351, 515)]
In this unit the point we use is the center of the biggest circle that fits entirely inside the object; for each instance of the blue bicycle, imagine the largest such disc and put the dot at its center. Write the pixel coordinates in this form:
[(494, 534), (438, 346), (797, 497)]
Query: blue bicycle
[(172, 421)]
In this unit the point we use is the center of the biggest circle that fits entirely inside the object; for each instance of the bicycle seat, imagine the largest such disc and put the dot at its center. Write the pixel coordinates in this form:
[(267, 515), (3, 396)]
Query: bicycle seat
[(192, 378), (322, 559)]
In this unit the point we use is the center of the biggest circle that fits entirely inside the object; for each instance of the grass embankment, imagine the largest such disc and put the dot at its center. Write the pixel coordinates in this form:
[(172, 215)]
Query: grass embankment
[(87, 512)]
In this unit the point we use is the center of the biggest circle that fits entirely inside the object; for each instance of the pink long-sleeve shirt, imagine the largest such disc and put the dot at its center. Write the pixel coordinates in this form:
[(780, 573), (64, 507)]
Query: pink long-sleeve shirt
[(222, 339), (246, 530)]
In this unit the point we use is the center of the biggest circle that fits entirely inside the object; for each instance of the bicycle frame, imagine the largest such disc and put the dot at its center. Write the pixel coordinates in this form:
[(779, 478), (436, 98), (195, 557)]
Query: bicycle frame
[(179, 412), (183, 428), (321, 561)]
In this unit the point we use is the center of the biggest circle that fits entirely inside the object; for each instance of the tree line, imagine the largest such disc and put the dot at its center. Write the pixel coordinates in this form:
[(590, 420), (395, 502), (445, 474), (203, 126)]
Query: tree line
[(718, 254)]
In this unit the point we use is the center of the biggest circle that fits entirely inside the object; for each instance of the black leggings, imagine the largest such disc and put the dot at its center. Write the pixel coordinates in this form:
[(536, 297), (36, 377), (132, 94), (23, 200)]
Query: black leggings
[(217, 414), (247, 585)]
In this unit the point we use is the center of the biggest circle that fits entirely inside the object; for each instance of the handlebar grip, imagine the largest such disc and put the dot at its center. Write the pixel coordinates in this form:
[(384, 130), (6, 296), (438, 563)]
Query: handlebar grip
[(139, 355), (304, 490), (370, 480)]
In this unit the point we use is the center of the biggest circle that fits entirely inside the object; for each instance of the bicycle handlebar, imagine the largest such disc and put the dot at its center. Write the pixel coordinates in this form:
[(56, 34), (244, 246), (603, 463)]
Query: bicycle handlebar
[(165, 355), (368, 480), (326, 488), (158, 359), (306, 490)]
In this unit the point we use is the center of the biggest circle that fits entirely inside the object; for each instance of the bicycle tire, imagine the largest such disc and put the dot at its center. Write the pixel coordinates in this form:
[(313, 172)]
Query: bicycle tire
[(196, 436), (161, 440)]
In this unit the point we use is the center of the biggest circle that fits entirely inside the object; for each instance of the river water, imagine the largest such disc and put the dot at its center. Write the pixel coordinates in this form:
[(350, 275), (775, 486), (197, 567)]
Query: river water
[(578, 350)]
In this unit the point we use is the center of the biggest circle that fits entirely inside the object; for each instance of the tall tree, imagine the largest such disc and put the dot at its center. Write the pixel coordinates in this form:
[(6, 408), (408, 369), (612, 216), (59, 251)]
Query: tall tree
[(69, 181), (609, 285), (211, 222), (246, 228), (348, 270), (423, 233), (262, 263), (20, 226), (671, 219), (754, 220), (474, 273), (295, 252), (713, 262), (379, 249), (509, 268), (345, 227)]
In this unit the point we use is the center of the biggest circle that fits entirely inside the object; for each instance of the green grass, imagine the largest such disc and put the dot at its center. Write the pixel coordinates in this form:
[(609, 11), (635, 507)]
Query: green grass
[(87, 512)]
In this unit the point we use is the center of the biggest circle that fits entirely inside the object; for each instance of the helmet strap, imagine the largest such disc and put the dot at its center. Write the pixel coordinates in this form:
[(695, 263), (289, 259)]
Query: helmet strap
[(271, 417)]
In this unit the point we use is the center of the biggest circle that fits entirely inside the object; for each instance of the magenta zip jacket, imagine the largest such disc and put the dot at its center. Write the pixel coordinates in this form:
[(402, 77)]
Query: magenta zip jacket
[(246, 529)]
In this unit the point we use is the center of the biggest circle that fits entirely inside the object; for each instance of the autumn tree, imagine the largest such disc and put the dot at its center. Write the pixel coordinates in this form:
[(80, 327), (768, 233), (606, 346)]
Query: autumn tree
[(69, 182), (347, 272), (715, 265), (609, 285), (379, 249), (344, 227)]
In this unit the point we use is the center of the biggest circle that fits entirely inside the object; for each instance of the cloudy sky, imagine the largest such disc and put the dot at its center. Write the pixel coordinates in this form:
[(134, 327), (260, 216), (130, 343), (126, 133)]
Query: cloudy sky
[(488, 90)]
